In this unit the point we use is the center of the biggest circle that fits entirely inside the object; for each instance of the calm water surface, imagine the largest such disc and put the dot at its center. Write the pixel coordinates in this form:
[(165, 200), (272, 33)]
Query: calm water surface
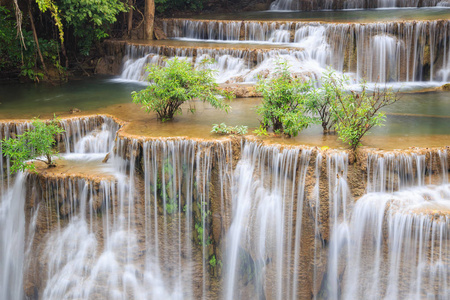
[(355, 15), (419, 116)]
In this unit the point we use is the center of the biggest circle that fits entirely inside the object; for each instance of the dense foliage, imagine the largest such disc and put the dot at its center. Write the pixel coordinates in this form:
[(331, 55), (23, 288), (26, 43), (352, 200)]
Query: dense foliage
[(39, 38), (89, 20), (357, 112), (36, 144), (177, 83), (167, 5), (14, 56), (284, 104), (290, 105)]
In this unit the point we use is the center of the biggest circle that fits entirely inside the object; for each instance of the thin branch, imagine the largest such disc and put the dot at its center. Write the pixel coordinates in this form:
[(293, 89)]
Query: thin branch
[(19, 17)]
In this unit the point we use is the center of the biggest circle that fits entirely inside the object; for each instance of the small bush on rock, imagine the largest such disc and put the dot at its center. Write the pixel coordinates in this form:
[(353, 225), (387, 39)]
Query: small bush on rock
[(357, 112), (176, 83), (284, 104), (222, 128), (35, 144)]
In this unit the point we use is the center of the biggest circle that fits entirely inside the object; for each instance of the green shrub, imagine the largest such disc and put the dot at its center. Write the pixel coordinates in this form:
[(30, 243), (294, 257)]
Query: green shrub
[(284, 104), (213, 261), (357, 112), (222, 128), (90, 20), (31, 145), (320, 100), (176, 83)]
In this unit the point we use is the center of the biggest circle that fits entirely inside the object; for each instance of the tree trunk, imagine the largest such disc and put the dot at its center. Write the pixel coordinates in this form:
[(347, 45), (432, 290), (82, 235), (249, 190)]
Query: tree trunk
[(63, 50), (33, 28), (130, 17), (149, 18)]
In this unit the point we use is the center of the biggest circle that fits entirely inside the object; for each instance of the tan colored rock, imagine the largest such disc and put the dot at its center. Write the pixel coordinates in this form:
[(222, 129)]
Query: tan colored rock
[(445, 87), (241, 91), (159, 34)]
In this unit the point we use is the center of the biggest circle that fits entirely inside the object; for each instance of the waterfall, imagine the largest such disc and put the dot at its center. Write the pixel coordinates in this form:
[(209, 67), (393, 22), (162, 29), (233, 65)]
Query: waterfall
[(406, 257), (12, 236), (395, 171), (212, 30), (15, 251), (232, 65), (9, 129), (185, 219), (264, 236), (116, 240), (395, 244), (177, 175), (376, 52), (283, 5), (339, 208), (89, 135), (444, 73)]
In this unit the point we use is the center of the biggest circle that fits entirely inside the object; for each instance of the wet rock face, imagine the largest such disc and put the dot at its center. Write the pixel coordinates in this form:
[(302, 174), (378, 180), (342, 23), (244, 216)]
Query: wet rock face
[(111, 62)]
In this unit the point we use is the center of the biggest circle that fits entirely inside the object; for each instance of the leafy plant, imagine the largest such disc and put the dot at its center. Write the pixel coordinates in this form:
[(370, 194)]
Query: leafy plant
[(284, 102), (171, 206), (261, 131), (213, 261), (90, 19), (32, 145), (166, 5), (199, 229), (320, 100), (166, 190), (51, 6), (13, 56), (10, 45), (176, 83), (204, 214), (359, 111), (222, 128)]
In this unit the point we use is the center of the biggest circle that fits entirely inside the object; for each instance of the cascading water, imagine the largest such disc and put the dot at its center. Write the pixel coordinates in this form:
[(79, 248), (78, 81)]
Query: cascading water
[(177, 176), (168, 219), (232, 64), (146, 250), (395, 52), (445, 71), (395, 244), (12, 236), (263, 241), (284, 5), (16, 253), (89, 135), (398, 247)]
